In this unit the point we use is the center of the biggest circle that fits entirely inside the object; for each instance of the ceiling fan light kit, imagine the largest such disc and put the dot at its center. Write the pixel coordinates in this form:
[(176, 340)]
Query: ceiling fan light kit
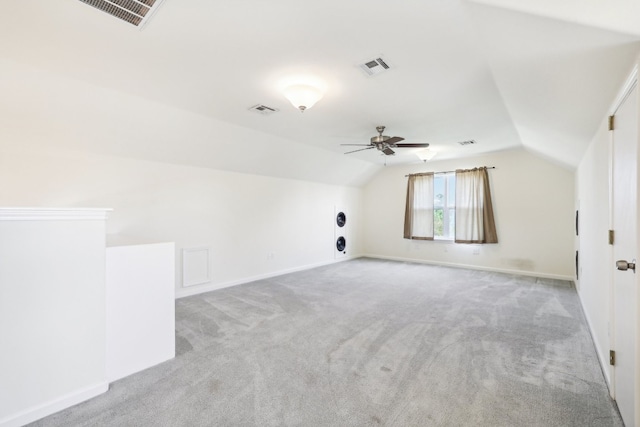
[(302, 96)]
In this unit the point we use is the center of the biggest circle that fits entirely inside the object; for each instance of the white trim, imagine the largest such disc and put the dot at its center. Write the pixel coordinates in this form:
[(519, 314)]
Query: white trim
[(53, 214), (181, 293), (604, 364), (628, 86), (611, 321), (187, 292), (476, 267), (53, 406)]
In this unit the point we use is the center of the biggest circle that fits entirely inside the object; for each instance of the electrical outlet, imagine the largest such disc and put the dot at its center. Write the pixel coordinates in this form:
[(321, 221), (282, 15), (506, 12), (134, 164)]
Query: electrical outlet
[(476, 251), (270, 256)]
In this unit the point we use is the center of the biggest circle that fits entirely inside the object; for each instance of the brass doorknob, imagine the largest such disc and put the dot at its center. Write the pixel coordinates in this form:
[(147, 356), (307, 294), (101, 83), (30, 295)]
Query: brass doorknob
[(623, 265)]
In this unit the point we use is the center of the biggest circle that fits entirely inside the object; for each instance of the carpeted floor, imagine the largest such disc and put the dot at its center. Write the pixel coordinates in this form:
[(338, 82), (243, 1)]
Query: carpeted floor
[(367, 343)]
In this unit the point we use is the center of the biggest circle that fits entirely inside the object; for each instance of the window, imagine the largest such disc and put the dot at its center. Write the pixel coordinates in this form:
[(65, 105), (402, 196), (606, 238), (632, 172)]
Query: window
[(444, 206), (450, 206)]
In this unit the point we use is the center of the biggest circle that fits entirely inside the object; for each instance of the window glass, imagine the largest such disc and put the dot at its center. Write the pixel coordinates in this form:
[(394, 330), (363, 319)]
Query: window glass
[(451, 188), (444, 200)]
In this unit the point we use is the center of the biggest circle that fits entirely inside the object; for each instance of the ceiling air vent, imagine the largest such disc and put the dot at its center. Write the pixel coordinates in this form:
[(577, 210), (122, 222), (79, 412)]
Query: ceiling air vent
[(375, 66), (263, 109), (469, 142), (136, 12)]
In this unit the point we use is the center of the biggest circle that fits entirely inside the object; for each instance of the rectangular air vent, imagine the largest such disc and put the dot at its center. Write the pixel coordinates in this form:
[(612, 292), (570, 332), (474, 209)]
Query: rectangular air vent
[(263, 109), (375, 66), (136, 12), (469, 142)]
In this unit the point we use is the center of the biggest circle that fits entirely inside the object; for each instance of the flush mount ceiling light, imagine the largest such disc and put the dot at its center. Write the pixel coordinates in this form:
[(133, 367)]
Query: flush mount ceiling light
[(303, 90), (303, 96), (425, 155)]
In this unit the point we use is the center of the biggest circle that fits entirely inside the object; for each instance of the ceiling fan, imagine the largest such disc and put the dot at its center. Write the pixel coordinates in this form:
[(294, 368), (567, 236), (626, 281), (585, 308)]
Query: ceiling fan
[(385, 143)]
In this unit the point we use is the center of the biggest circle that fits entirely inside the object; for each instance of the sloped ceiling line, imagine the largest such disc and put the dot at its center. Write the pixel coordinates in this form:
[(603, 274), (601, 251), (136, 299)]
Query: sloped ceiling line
[(461, 70)]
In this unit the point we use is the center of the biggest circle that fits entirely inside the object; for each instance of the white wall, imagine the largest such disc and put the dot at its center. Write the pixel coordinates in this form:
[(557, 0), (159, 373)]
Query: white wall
[(592, 194), (141, 321), (52, 311), (242, 217), (533, 206), (40, 109)]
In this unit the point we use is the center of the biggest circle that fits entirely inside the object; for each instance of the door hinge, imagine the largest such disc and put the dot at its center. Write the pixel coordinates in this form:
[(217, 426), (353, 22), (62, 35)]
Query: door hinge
[(611, 237), (611, 122), (612, 357)]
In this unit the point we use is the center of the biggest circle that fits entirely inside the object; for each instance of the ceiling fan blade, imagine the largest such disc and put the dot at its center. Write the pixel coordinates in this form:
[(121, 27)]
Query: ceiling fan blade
[(409, 145), (362, 149), (388, 151), (359, 145), (393, 140)]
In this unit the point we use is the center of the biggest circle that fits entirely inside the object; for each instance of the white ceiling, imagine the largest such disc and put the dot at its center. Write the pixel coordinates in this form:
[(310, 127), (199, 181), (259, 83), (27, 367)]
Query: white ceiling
[(621, 16), (506, 73)]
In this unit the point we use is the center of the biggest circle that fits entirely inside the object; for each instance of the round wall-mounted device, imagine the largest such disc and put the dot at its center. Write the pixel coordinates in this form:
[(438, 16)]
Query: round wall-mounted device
[(341, 232)]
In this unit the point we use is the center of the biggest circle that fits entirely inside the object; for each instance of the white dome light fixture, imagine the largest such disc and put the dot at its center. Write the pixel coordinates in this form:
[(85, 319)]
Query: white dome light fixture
[(426, 154), (303, 96)]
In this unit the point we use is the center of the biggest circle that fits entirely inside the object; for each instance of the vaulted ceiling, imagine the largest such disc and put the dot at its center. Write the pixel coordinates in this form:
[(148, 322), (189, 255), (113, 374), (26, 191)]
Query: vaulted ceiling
[(505, 73)]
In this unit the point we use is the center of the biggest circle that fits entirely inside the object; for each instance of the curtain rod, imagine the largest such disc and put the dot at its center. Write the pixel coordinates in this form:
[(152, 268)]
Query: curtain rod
[(488, 167)]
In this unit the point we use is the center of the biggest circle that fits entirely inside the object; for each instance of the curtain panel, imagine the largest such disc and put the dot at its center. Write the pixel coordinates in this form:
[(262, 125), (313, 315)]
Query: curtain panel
[(474, 212), (418, 214)]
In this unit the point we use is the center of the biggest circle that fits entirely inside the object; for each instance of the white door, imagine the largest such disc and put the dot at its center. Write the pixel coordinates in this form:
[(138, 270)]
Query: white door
[(625, 247)]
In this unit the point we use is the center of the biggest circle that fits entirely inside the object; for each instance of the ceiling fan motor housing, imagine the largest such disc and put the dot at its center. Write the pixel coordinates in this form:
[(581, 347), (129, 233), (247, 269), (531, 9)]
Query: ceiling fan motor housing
[(378, 139)]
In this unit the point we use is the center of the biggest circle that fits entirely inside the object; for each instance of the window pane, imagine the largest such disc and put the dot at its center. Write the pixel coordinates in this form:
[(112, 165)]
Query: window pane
[(438, 191), (444, 197), (438, 222), (452, 223), (451, 190)]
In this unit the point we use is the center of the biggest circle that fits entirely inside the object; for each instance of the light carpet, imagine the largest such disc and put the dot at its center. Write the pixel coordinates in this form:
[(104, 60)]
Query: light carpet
[(365, 343)]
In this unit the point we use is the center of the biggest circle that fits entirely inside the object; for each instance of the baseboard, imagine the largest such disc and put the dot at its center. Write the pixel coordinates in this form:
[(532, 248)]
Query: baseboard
[(186, 292), (604, 364), (53, 406), (148, 364), (475, 267)]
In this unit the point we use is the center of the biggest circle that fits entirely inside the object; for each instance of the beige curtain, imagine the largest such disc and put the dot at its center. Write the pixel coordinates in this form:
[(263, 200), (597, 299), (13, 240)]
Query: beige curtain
[(474, 211), (418, 214)]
